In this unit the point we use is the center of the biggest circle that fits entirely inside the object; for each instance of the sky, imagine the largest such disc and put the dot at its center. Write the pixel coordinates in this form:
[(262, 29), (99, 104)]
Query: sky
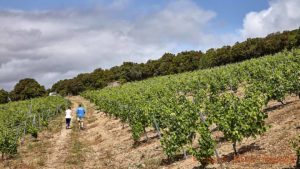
[(53, 40)]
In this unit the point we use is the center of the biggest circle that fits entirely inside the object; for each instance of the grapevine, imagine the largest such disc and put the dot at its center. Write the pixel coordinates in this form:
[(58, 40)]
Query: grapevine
[(231, 97)]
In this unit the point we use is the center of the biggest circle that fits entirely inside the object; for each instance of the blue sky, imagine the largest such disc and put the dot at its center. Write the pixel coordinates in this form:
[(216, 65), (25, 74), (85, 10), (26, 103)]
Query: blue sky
[(46, 39), (230, 13)]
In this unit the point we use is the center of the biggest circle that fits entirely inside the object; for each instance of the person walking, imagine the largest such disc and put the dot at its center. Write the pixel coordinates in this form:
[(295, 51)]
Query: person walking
[(68, 117), (80, 115)]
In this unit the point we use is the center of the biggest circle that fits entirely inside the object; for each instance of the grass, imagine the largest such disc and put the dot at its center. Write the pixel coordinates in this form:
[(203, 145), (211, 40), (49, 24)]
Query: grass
[(33, 152), (56, 124), (91, 119), (77, 150), (152, 163)]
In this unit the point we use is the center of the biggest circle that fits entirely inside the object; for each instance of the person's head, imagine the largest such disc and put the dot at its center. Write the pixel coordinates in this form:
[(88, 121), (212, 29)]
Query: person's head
[(69, 107), (80, 105)]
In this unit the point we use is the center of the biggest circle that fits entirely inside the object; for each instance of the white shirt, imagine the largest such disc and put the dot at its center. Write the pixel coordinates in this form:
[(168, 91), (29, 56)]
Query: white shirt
[(68, 113)]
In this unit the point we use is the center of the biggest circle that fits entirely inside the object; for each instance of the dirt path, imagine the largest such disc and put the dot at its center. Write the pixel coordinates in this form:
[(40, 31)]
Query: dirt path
[(60, 145), (99, 140), (106, 143), (110, 145)]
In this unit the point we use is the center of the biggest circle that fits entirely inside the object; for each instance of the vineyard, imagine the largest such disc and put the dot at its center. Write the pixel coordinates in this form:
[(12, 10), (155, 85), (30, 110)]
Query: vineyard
[(26, 117), (184, 109)]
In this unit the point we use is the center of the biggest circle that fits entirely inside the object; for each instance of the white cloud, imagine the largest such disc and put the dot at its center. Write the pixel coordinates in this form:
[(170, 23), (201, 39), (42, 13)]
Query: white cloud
[(180, 22), (281, 15), (53, 45)]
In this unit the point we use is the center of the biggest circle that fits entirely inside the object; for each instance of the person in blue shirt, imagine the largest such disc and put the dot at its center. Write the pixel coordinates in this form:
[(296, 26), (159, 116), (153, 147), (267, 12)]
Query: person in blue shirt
[(80, 115)]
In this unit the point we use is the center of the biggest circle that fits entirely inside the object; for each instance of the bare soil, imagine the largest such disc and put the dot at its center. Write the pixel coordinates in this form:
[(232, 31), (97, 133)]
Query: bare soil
[(58, 150), (106, 143), (111, 145)]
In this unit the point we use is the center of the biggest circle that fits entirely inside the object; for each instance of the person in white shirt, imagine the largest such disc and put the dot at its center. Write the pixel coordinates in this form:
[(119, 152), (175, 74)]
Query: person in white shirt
[(68, 117)]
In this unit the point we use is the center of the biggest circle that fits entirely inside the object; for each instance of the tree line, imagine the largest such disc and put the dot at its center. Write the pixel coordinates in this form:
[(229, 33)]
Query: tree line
[(182, 62), (25, 89), (168, 64)]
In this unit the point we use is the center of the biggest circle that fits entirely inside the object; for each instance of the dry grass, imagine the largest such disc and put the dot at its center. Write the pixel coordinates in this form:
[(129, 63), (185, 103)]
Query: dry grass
[(116, 151), (92, 126), (106, 144), (33, 153), (76, 155), (91, 119)]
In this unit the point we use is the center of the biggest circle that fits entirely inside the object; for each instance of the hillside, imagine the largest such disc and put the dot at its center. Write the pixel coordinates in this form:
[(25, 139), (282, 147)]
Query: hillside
[(131, 84), (248, 112), (182, 62), (106, 144), (187, 109)]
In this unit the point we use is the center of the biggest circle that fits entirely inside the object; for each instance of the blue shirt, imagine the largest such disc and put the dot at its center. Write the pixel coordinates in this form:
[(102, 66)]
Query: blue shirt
[(80, 112)]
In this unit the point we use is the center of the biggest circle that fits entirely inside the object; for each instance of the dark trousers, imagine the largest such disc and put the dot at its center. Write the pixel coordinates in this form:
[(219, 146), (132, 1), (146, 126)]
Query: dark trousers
[(68, 121)]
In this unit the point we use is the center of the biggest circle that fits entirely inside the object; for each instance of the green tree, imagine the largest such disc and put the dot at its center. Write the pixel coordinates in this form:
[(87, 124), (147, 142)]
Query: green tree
[(298, 37), (27, 89), (3, 96), (182, 62)]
